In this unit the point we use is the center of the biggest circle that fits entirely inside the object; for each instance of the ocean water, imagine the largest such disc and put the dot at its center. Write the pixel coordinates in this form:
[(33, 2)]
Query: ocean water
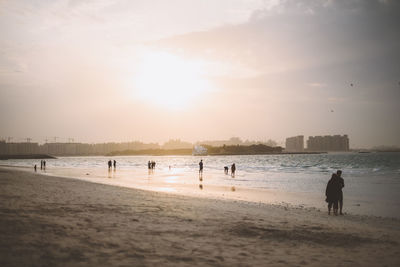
[(371, 179)]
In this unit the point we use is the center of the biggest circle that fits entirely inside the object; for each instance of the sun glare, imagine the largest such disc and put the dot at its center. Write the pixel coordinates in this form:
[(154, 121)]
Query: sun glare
[(170, 81)]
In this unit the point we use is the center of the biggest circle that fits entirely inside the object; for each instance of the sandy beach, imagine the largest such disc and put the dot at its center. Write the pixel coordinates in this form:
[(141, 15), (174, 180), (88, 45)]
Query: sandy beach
[(54, 221)]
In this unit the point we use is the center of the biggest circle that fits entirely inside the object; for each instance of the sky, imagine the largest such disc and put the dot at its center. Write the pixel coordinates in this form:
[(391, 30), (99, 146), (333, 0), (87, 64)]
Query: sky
[(111, 70)]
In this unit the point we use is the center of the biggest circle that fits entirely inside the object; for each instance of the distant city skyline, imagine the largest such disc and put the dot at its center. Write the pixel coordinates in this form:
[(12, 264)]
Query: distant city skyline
[(329, 143), (282, 143), (291, 144), (117, 70), (231, 140)]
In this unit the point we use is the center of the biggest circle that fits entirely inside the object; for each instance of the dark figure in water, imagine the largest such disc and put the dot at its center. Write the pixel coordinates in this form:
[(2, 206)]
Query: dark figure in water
[(226, 169), (233, 169), (35, 167), (201, 167), (44, 165), (149, 165), (153, 165), (341, 181), (332, 193), (115, 165), (109, 164), (41, 164)]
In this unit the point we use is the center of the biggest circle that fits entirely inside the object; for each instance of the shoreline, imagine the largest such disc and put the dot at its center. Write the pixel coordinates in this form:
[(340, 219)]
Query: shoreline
[(163, 183), (187, 184), (49, 220), (167, 183)]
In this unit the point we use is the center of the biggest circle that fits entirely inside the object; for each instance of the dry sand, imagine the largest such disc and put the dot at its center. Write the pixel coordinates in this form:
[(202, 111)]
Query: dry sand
[(53, 221)]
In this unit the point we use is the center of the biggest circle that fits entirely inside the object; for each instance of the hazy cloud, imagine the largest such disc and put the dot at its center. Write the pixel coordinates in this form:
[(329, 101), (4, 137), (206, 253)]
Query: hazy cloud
[(288, 36)]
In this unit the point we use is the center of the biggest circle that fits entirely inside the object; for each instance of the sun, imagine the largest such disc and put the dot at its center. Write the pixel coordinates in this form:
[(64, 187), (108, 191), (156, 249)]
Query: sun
[(170, 81)]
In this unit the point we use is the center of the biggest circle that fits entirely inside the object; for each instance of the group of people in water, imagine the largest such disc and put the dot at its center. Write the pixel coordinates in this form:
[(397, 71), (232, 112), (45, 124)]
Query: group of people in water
[(111, 163), (233, 170), (226, 169), (42, 165), (334, 193), (151, 165)]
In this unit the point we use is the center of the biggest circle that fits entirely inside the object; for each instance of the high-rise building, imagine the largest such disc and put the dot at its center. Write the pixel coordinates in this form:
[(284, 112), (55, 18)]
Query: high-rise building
[(328, 143), (295, 144)]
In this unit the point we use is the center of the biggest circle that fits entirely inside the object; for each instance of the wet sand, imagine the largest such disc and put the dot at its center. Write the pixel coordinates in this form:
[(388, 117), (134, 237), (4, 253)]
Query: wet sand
[(54, 221)]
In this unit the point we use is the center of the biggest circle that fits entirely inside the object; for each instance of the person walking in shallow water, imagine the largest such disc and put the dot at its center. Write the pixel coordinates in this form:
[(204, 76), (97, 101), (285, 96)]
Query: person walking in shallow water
[(332, 193), (109, 165), (201, 167), (233, 170), (341, 182), (115, 164)]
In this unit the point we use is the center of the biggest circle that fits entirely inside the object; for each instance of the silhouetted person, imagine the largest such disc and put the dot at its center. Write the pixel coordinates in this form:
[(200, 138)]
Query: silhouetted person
[(35, 167), (341, 181), (149, 165), (153, 165), (41, 164), (226, 169), (115, 165), (44, 165), (109, 164), (233, 169), (201, 167), (332, 193)]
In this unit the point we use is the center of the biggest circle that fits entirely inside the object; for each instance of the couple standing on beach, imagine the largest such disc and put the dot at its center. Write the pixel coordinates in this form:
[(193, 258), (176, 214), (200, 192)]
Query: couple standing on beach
[(42, 165), (334, 193)]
